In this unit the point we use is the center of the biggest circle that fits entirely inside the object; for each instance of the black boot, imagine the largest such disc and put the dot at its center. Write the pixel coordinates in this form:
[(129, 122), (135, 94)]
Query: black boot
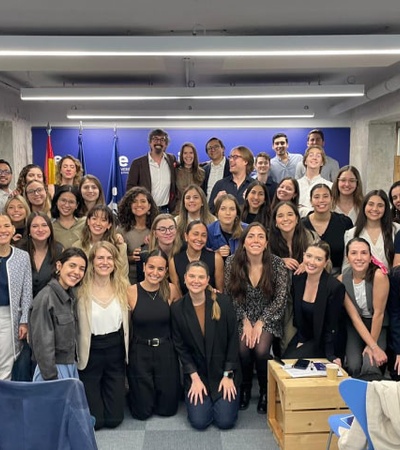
[(245, 396), (262, 403)]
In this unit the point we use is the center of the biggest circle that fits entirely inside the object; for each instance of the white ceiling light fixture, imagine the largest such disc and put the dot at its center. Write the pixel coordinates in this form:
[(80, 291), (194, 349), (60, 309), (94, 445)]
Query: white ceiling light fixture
[(198, 46), (188, 115), (212, 93)]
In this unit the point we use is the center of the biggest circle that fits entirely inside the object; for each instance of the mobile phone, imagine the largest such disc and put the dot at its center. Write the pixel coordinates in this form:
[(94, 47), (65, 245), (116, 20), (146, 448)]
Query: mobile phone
[(301, 364), (320, 366)]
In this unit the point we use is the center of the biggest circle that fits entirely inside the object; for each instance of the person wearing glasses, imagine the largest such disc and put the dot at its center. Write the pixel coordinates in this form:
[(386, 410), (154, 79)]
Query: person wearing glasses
[(347, 193), (217, 168), (241, 164), (156, 172), (5, 181), (284, 164), (37, 196)]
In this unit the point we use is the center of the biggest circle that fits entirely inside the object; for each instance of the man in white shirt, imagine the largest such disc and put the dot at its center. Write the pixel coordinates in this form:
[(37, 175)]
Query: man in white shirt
[(156, 172), (331, 166), (284, 164), (5, 181)]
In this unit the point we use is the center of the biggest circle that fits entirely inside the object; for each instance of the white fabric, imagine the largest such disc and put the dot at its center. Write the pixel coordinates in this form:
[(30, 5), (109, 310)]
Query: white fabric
[(106, 320), (216, 174), (352, 214), (6, 344), (361, 298), (305, 186), (160, 175)]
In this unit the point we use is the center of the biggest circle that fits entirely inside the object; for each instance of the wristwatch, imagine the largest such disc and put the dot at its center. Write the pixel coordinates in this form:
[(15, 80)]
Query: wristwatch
[(229, 374)]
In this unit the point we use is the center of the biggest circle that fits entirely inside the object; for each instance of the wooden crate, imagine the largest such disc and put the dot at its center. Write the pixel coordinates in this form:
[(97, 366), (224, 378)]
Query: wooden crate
[(298, 409)]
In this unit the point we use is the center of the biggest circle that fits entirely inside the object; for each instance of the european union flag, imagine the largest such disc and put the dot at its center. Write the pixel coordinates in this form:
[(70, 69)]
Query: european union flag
[(115, 189), (81, 154)]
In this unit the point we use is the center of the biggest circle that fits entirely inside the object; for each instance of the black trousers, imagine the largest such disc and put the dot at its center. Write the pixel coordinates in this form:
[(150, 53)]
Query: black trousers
[(154, 380), (104, 379)]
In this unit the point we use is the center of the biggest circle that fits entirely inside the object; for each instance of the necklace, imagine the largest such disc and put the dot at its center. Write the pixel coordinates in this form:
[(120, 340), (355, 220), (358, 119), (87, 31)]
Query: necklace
[(152, 296), (192, 259)]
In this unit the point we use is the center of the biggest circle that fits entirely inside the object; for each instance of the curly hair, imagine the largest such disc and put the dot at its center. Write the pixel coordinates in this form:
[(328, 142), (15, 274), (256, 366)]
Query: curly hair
[(239, 277), (78, 174), (21, 182), (126, 217)]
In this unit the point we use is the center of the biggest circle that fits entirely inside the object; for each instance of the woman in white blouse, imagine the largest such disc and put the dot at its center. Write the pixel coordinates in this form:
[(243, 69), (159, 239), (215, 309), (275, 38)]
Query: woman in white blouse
[(103, 334)]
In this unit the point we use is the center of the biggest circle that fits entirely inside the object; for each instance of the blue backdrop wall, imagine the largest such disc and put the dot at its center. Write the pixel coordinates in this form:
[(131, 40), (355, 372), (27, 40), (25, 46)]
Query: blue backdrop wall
[(132, 143)]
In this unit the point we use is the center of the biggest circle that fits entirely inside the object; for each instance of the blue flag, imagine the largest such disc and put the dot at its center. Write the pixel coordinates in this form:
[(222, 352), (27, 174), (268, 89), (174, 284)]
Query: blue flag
[(81, 154), (115, 189)]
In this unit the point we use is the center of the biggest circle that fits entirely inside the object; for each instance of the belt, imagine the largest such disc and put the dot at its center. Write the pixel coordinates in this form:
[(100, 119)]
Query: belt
[(154, 342)]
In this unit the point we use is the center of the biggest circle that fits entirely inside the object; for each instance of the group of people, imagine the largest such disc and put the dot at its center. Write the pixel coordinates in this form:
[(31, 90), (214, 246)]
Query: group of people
[(204, 274)]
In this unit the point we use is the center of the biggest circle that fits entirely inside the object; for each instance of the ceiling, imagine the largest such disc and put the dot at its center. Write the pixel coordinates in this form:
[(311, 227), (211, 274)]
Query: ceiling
[(192, 20)]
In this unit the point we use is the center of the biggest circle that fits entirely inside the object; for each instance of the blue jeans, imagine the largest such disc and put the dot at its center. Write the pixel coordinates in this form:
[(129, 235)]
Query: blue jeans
[(222, 412)]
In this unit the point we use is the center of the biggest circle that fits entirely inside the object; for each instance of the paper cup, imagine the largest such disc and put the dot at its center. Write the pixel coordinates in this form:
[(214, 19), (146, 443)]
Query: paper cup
[(332, 371)]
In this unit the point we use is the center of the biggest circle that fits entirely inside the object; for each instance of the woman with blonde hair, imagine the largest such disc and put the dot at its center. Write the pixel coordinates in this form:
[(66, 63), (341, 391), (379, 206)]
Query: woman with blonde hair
[(205, 336), (18, 210), (37, 196), (68, 173), (103, 334)]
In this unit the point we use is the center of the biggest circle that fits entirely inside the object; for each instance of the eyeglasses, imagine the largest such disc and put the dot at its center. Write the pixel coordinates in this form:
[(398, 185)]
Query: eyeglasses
[(235, 157), (5, 172), (64, 201), (35, 191), (159, 139), (348, 180), (165, 230), (213, 147)]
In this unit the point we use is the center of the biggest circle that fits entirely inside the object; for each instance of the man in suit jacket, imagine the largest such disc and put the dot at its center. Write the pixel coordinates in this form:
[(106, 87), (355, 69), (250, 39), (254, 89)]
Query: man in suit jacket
[(217, 168), (156, 172)]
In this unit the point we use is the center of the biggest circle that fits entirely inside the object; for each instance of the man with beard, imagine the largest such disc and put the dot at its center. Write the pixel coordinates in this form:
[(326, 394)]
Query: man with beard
[(5, 180), (156, 172)]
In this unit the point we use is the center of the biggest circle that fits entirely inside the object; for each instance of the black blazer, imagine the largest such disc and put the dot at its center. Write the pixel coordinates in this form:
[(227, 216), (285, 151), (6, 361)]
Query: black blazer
[(207, 169), (212, 354), (327, 311), (139, 175)]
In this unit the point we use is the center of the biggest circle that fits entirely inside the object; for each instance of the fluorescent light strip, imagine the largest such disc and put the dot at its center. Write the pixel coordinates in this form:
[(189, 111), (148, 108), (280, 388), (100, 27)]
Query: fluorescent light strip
[(78, 116), (212, 93)]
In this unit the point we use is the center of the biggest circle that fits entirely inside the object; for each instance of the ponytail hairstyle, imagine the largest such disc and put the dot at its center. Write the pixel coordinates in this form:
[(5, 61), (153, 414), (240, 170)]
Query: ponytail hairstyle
[(165, 291), (216, 310)]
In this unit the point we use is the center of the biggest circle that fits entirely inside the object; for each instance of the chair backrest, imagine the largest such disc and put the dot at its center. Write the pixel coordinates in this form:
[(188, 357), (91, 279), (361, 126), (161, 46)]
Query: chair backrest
[(354, 393), (48, 415)]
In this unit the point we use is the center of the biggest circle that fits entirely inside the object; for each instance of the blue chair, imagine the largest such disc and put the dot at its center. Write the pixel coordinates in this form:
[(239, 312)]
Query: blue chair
[(49, 415), (354, 393)]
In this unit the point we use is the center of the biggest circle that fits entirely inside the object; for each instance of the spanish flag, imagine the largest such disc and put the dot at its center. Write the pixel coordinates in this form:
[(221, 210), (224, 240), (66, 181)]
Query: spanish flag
[(49, 162)]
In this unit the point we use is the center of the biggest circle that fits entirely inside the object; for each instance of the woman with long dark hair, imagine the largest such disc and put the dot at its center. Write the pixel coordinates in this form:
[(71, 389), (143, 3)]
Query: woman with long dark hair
[(257, 281), (287, 191), (367, 290), (91, 192), (206, 338), (257, 205), (394, 197)]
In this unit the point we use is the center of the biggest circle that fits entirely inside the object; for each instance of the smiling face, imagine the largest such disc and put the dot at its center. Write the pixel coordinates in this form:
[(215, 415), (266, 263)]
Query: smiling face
[(321, 200), (280, 147), (256, 241), (36, 193), (16, 211), (67, 204), (155, 269), (215, 151), (314, 260), (103, 262), (71, 272), (193, 202), (314, 159), (262, 165), (375, 208), (165, 231), (237, 164), (98, 224), (68, 170), (188, 156), (90, 191), (256, 198), (196, 280), (347, 183), (359, 256), (227, 213), (286, 191), (396, 197), (196, 238), (39, 230), (140, 206), (5, 176), (7, 230), (158, 144), (286, 219), (34, 174)]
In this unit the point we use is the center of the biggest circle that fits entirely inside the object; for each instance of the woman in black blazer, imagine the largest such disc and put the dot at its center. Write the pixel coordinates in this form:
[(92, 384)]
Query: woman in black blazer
[(205, 336), (318, 301)]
